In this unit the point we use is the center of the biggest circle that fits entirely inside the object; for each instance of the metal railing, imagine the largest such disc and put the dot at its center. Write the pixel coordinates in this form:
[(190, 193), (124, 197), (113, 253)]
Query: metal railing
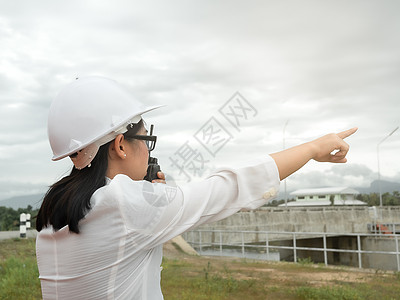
[(384, 228), (202, 240)]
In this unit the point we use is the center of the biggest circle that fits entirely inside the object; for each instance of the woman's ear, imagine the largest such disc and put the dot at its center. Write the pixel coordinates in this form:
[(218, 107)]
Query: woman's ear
[(118, 147)]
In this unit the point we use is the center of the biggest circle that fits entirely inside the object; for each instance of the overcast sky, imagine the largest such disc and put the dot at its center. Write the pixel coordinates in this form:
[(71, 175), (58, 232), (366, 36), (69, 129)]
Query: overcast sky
[(302, 69)]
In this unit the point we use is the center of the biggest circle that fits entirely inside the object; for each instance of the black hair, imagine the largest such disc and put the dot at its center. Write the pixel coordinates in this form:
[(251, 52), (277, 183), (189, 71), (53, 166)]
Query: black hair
[(68, 200)]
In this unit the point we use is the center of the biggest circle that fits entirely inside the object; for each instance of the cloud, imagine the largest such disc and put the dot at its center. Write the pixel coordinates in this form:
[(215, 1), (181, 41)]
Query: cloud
[(352, 170), (324, 66), (354, 175)]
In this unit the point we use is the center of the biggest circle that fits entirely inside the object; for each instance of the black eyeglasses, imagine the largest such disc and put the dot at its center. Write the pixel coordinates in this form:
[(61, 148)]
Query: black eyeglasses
[(149, 139)]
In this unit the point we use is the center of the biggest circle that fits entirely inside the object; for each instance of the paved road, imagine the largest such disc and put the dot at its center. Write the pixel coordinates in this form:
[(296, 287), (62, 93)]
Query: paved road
[(15, 234)]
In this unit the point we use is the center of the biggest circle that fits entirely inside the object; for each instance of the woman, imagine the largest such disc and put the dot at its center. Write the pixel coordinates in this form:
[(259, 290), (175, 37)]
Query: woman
[(102, 227)]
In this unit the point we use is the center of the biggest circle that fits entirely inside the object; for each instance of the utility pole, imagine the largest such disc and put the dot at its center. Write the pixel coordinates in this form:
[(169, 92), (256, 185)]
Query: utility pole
[(379, 171), (284, 147)]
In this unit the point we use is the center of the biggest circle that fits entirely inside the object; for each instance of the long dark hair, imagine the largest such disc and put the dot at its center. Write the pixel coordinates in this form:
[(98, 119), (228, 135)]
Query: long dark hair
[(68, 200)]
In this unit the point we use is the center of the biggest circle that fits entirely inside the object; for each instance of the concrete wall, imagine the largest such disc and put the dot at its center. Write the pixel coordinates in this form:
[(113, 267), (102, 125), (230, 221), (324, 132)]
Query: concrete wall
[(380, 261), (318, 219)]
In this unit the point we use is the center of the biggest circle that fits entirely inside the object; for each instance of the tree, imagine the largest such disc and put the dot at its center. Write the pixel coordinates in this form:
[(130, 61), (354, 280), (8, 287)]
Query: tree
[(9, 218), (388, 199)]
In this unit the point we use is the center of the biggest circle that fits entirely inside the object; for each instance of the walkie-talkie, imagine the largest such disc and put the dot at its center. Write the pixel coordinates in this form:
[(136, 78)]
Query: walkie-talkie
[(153, 166)]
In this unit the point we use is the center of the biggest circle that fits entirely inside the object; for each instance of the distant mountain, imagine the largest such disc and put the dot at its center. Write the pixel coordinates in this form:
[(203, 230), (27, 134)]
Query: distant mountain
[(386, 187), (23, 201)]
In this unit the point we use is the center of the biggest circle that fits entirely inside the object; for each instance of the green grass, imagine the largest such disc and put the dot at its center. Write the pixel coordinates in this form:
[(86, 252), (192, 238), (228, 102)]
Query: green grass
[(370, 291), (181, 280), (18, 270), (213, 278), (193, 278)]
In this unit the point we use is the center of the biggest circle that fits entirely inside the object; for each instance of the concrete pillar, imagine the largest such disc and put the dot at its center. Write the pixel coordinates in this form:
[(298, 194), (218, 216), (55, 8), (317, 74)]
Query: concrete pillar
[(22, 225), (28, 221)]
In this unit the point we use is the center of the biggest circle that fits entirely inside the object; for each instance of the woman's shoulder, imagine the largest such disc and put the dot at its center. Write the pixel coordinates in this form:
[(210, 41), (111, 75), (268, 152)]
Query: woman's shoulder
[(123, 189), (116, 188)]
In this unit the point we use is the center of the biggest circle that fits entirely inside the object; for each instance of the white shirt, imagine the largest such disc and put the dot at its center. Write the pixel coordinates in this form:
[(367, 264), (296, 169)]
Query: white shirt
[(118, 252)]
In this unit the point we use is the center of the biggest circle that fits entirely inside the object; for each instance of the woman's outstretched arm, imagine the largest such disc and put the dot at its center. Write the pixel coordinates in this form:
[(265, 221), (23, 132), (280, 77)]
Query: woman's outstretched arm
[(328, 148)]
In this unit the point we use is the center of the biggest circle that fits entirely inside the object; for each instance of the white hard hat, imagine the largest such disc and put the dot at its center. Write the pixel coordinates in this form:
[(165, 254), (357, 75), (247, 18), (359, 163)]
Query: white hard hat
[(88, 113)]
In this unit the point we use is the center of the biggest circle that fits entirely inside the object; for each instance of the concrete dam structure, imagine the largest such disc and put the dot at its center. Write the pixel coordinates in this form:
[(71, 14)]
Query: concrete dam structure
[(334, 235), (310, 219)]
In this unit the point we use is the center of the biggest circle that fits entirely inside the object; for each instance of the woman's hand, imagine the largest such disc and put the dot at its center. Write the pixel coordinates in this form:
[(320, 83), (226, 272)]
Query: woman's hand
[(332, 147), (161, 177), (329, 148)]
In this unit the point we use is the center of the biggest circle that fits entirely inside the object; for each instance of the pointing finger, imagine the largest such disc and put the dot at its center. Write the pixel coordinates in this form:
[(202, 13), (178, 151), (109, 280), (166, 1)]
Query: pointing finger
[(347, 133)]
